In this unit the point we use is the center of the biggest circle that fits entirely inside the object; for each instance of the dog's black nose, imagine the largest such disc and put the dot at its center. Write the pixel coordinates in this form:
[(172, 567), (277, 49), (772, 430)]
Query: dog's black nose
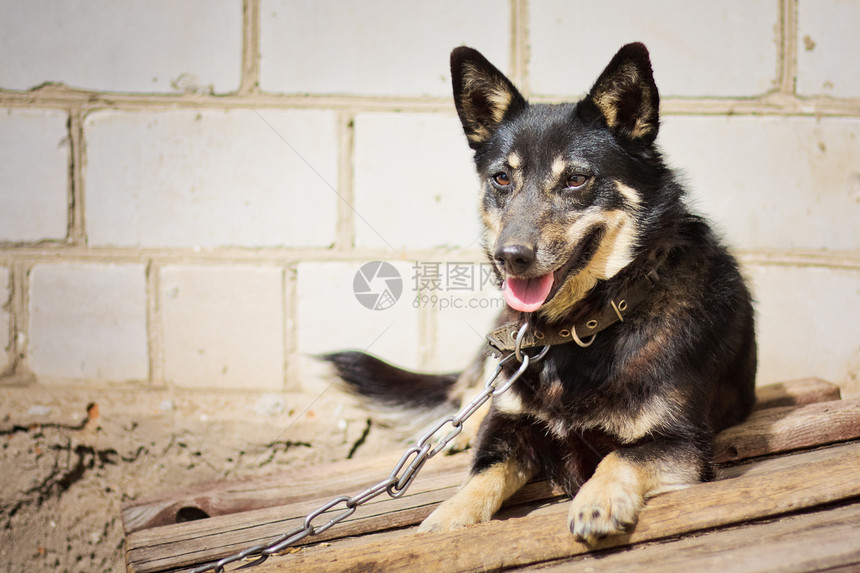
[(515, 258)]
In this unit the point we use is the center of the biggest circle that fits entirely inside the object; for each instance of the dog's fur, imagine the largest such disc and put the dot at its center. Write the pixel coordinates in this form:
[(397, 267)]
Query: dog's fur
[(580, 190)]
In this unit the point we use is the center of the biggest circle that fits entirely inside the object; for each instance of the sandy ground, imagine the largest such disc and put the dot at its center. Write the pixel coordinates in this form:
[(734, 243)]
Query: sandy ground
[(70, 457)]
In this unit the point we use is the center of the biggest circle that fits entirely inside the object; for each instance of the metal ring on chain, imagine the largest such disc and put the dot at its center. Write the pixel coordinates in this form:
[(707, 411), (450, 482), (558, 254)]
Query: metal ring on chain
[(519, 341)]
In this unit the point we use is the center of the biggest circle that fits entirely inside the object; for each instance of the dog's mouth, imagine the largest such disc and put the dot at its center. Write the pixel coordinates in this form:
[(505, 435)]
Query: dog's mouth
[(528, 294)]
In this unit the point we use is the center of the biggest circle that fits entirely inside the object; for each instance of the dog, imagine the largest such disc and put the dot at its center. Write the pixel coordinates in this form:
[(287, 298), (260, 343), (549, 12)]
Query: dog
[(646, 320)]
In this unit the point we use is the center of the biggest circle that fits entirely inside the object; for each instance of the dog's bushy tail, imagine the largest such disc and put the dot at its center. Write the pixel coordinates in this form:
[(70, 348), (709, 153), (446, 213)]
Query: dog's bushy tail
[(390, 387)]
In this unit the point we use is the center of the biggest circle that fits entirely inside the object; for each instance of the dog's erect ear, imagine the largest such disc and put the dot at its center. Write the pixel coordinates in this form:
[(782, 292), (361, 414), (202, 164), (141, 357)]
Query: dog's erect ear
[(626, 95), (482, 94)]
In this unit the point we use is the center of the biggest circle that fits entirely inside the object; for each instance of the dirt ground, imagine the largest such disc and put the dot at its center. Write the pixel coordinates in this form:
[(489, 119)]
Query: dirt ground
[(71, 456)]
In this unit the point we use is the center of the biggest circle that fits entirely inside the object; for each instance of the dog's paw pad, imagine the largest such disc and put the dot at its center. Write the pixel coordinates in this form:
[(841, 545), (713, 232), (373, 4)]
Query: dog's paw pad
[(603, 508)]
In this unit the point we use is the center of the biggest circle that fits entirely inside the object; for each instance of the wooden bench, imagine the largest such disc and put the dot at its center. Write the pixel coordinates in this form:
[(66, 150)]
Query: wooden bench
[(787, 497)]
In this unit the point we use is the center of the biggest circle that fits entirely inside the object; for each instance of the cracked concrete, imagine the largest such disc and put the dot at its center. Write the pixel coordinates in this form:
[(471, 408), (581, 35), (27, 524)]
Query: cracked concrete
[(69, 457)]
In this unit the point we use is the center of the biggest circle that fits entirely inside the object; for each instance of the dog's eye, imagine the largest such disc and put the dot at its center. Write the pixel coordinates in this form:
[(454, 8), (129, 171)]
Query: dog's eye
[(501, 179), (576, 181)]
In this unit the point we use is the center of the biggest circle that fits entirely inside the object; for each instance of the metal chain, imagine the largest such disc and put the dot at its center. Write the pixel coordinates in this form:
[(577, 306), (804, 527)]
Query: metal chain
[(400, 478)]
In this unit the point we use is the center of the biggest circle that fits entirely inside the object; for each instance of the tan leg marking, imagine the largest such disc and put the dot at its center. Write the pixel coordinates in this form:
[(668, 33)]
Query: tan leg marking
[(479, 498), (610, 502)]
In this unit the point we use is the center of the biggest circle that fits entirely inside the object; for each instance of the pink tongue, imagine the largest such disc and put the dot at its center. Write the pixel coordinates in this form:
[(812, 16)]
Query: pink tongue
[(527, 295)]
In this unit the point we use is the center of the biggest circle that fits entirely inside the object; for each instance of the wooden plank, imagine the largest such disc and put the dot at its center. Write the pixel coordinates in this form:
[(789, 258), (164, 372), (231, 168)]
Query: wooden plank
[(180, 545), (796, 393), (169, 548), (185, 544), (809, 542), (756, 467), (784, 429), (284, 488), (530, 540)]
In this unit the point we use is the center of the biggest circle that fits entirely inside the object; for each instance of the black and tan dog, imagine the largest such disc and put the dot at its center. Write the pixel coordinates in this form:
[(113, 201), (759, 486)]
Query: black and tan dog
[(650, 327)]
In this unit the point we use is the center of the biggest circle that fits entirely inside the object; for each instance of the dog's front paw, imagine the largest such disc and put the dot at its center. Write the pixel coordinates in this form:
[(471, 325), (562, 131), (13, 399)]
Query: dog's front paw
[(454, 514), (603, 507)]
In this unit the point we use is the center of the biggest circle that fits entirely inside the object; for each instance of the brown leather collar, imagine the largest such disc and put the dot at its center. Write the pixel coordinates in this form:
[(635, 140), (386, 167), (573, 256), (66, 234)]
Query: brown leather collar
[(583, 331)]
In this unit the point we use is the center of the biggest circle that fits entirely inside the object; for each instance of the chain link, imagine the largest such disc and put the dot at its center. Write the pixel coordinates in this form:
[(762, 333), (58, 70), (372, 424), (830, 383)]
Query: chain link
[(401, 476)]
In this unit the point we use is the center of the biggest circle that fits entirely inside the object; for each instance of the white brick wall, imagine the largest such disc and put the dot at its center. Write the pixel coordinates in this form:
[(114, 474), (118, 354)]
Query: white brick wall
[(726, 48), (773, 182), (88, 322), (329, 318), (800, 313), (34, 174), (167, 235), (5, 304), (223, 326), (384, 47), (462, 318), (211, 178), (827, 42), (131, 46), (414, 172)]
